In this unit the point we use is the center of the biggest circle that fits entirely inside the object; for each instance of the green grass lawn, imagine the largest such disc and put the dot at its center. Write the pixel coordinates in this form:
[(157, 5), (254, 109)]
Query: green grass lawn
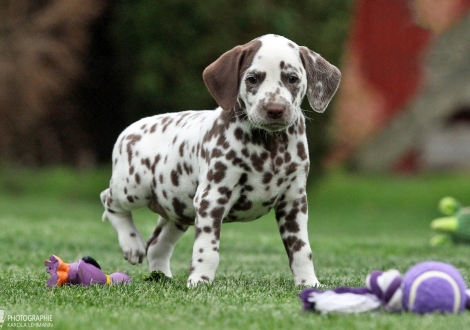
[(357, 224)]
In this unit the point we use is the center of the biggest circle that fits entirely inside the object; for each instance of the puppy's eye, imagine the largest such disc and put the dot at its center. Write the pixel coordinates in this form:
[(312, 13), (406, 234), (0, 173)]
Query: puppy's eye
[(293, 79), (252, 80)]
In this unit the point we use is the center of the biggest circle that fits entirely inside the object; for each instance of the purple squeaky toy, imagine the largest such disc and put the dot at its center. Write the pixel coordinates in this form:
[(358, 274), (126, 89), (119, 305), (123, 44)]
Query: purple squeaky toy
[(84, 272), (427, 287)]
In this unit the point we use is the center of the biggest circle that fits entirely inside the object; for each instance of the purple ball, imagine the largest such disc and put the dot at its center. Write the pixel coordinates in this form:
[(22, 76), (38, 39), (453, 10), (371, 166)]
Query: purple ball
[(432, 287)]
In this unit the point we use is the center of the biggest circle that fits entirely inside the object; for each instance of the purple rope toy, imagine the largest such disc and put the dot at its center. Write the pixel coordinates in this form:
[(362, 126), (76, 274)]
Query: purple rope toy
[(427, 287)]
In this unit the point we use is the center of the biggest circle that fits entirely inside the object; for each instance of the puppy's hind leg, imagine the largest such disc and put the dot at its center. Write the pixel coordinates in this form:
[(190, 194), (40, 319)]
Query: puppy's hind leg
[(161, 244), (130, 239)]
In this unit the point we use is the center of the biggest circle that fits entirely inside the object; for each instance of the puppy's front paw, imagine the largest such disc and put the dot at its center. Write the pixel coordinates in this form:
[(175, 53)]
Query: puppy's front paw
[(194, 281), (312, 283), (133, 248)]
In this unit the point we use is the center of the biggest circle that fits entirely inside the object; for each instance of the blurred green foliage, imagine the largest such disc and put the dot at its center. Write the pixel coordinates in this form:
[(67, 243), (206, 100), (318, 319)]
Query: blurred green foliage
[(164, 46)]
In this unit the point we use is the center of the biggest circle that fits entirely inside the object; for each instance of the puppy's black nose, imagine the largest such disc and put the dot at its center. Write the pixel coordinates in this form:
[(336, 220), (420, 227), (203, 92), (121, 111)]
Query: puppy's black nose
[(275, 111)]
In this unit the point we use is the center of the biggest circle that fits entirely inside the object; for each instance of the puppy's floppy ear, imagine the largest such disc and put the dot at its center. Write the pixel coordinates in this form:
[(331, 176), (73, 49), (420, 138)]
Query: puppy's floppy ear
[(322, 79), (222, 77)]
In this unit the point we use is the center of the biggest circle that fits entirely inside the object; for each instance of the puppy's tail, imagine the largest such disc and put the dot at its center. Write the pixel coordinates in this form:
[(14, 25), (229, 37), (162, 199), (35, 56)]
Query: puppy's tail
[(105, 200)]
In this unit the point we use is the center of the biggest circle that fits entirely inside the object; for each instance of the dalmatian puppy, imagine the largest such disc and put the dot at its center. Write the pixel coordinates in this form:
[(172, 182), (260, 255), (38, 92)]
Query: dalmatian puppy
[(235, 163)]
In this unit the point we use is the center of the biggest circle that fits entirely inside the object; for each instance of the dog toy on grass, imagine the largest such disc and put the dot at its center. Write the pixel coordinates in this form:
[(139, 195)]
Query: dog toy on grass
[(427, 287), (84, 272), (455, 227)]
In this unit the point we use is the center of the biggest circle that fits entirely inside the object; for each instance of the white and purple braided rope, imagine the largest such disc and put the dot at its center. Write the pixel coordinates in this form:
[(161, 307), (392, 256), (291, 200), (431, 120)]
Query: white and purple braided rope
[(386, 286), (382, 289)]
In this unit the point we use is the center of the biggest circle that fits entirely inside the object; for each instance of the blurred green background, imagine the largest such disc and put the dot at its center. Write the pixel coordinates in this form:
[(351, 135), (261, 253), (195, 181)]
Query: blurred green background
[(104, 64)]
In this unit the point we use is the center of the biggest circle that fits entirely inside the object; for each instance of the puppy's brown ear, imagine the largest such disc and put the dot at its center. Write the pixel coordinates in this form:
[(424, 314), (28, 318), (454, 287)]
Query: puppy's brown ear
[(322, 79), (222, 77)]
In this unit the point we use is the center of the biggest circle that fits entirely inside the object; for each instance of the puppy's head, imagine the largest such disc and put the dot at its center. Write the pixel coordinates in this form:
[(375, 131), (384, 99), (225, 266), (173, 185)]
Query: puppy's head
[(269, 77)]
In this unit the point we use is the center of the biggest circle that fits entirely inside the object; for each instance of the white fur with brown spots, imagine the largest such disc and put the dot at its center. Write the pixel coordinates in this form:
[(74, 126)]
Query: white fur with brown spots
[(235, 163)]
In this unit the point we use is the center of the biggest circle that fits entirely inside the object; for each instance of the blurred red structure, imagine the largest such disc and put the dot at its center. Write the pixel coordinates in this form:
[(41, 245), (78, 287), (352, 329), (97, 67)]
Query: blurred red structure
[(383, 67)]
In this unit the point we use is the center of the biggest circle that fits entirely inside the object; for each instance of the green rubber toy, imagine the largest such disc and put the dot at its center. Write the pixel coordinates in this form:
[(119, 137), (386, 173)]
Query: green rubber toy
[(455, 227)]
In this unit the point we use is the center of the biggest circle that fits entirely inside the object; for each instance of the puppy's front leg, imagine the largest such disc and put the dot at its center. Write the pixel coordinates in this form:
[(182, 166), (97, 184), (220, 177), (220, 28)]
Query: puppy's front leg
[(292, 218), (130, 239), (205, 259)]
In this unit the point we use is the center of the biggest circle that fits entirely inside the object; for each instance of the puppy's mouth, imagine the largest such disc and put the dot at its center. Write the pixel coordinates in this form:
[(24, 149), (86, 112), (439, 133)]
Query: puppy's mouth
[(272, 125)]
